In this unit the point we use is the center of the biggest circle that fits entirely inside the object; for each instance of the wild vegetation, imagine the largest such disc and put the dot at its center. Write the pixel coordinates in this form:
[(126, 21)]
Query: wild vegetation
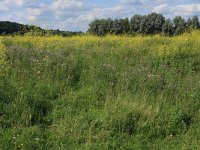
[(88, 92)]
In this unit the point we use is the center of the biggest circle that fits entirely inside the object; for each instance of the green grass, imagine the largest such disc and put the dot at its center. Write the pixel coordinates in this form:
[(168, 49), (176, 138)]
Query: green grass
[(100, 95)]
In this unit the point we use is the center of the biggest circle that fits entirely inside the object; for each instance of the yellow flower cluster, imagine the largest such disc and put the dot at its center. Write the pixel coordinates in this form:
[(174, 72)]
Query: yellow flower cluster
[(2, 52), (155, 45)]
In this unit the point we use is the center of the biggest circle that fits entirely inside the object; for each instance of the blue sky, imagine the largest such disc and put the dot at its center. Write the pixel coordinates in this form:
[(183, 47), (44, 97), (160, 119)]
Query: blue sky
[(75, 15)]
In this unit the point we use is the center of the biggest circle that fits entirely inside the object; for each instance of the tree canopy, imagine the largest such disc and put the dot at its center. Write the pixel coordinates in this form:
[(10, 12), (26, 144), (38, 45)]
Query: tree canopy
[(152, 23)]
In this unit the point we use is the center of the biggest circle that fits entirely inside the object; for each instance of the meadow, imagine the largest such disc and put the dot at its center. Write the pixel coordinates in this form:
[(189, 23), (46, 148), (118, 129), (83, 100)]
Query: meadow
[(105, 93)]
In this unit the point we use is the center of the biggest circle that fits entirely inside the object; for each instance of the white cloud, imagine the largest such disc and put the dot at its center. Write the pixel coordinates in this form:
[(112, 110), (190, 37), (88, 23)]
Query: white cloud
[(163, 9), (7, 5), (21, 2), (67, 4), (133, 2), (77, 14), (74, 15), (31, 13), (187, 10)]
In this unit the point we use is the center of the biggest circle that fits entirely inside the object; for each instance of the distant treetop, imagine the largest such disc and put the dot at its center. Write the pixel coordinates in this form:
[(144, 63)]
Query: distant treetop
[(13, 28)]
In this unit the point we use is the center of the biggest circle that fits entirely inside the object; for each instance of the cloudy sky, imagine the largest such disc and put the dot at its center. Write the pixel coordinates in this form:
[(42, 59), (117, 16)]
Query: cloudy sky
[(75, 15)]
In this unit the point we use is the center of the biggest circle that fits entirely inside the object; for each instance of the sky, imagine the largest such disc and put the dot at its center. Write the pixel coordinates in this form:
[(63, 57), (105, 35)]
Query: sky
[(75, 15)]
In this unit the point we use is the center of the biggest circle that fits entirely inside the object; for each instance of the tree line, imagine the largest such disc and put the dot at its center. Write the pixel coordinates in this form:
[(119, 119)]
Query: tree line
[(13, 28), (152, 23)]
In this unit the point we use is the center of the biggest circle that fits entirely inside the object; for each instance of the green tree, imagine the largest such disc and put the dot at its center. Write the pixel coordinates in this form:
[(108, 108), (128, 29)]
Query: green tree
[(143, 25), (179, 25), (189, 22), (110, 26), (102, 30), (152, 23), (94, 26), (195, 22), (135, 24), (158, 21), (117, 27), (100, 26), (124, 25), (167, 28)]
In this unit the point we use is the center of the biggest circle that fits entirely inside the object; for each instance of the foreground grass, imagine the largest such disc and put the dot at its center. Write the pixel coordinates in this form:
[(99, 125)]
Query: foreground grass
[(100, 93)]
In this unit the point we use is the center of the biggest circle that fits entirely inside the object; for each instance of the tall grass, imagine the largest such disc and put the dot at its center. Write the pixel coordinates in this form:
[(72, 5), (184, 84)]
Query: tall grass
[(87, 92)]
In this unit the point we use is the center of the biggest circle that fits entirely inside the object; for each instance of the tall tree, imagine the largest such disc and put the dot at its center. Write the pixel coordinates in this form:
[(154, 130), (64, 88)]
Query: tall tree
[(195, 22), (152, 23), (189, 22), (124, 25), (179, 25), (102, 30), (98, 27), (117, 27), (135, 24), (159, 20), (109, 26), (143, 25), (94, 26), (167, 28)]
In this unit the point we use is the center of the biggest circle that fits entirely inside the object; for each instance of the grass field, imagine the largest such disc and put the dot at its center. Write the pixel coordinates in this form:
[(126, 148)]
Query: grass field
[(87, 92)]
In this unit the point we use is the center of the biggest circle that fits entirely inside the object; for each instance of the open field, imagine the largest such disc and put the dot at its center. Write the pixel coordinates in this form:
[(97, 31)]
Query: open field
[(87, 92)]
